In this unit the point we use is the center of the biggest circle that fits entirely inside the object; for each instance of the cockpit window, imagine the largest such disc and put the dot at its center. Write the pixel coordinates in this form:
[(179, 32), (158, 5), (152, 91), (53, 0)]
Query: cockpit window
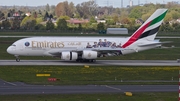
[(13, 45)]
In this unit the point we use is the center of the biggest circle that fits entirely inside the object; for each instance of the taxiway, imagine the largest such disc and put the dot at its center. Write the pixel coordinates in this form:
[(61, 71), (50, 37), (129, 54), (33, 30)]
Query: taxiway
[(8, 88)]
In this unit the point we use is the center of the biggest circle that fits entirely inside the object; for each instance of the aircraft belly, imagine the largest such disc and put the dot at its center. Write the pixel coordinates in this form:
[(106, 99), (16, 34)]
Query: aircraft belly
[(36, 53), (30, 52)]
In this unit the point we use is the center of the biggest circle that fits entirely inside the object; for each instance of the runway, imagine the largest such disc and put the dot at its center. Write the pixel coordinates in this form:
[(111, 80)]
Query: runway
[(98, 62), (8, 88)]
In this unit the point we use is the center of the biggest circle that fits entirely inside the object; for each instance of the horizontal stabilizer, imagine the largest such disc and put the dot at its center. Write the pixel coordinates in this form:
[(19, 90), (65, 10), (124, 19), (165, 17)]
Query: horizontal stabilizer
[(153, 44)]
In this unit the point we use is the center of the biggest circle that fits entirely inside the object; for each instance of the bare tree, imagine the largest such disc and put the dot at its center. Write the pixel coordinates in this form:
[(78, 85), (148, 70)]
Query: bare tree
[(65, 8), (87, 9)]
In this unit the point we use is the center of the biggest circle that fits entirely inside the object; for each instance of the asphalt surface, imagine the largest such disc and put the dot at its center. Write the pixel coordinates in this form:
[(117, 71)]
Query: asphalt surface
[(98, 62), (8, 88)]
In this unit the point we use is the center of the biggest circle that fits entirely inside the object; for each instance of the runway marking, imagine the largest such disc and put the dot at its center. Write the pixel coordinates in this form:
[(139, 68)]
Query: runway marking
[(9, 82), (112, 87)]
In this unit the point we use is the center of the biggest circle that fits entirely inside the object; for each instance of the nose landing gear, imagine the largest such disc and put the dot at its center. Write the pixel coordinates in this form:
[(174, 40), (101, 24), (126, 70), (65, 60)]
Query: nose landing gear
[(17, 59)]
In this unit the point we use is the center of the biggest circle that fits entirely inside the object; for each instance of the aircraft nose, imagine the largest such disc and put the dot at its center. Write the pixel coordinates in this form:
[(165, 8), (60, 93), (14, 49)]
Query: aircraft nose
[(9, 50)]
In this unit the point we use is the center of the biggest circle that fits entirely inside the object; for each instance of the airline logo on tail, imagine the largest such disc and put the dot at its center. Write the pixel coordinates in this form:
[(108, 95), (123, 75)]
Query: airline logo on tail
[(149, 28)]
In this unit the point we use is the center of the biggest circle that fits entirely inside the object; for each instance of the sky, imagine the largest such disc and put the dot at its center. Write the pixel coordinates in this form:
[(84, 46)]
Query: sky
[(115, 3)]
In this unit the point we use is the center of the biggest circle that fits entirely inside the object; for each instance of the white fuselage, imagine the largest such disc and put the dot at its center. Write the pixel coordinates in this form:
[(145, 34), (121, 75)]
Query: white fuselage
[(41, 46)]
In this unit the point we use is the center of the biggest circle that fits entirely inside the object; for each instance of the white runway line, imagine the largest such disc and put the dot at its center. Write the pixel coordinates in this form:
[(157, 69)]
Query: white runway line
[(9, 82), (112, 87)]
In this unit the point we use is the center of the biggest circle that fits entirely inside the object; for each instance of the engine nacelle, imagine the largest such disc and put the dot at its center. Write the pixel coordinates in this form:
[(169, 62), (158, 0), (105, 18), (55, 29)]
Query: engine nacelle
[(89, 54), (69, 55)]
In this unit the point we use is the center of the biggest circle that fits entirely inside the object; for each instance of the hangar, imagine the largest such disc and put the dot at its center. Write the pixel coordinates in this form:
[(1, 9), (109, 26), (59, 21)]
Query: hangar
[(117, 31)]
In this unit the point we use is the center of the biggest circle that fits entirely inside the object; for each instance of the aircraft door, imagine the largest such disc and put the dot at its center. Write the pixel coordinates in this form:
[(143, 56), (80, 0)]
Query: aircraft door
[(21, 47)]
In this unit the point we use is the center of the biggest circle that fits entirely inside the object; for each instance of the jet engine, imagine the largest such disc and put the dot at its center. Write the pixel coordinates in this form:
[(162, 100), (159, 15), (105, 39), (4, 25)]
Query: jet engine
[(89, 54), (69, 55)]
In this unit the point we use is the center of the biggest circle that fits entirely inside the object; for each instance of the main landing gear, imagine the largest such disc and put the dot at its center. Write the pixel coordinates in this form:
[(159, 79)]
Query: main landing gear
[(86, 60), (17, 59)]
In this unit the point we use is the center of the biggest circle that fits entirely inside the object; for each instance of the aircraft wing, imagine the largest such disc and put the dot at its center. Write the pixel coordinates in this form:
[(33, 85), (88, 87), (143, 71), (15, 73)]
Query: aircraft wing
[(104, 49), (100, 50)]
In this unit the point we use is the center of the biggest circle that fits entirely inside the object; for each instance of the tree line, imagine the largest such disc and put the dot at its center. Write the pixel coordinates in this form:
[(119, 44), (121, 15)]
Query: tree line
[(55, 17)]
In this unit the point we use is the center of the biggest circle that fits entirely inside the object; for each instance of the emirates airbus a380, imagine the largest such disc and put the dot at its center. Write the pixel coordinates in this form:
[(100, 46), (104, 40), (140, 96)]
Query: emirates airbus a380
[(90, 48)]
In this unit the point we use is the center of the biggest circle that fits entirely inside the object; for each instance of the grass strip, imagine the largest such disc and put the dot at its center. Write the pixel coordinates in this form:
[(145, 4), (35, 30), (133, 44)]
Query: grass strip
[(158, 96), (79, 75)]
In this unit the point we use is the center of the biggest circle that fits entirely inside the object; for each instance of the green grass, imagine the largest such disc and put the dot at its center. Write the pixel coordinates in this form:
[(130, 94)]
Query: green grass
[(78, 75), (160, 96)]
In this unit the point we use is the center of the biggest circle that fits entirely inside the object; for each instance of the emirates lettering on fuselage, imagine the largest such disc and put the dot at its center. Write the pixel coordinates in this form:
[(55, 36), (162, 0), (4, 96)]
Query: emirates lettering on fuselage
[(47, 44)]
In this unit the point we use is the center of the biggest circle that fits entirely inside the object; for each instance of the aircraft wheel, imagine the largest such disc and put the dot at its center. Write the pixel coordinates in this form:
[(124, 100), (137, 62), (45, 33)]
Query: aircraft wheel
[(17, 60), (93, 60), (84, 60), (81, 60), (77, 60)]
